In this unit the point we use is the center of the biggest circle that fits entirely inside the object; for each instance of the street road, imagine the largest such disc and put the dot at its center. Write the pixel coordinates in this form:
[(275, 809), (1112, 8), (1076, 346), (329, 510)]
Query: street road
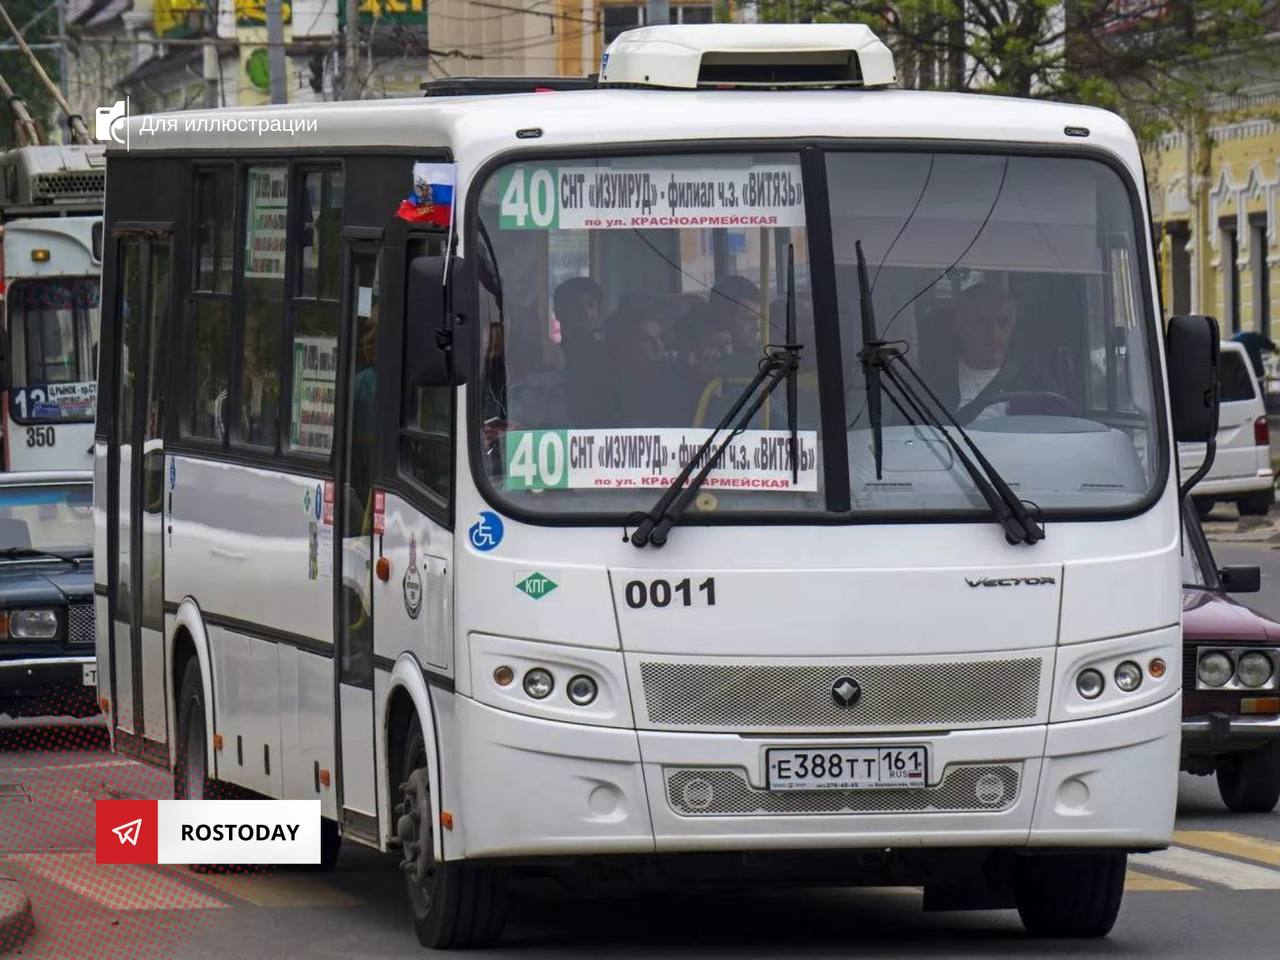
[(1214, 894)]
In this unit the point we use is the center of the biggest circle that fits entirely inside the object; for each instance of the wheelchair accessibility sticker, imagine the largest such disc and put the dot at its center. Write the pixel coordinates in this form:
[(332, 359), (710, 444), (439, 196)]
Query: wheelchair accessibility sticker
[(486, 533)]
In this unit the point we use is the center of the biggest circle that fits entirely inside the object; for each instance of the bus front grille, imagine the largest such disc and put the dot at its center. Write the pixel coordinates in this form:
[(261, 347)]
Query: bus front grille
[(773, 696), (709, 792)]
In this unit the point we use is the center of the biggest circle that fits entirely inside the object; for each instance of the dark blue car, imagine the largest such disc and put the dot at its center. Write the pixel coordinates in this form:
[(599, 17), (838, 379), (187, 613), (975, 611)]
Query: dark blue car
[(48, 665)]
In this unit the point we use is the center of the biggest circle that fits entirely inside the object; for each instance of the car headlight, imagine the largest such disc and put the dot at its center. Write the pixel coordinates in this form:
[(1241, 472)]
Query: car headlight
[(1215, 669), (1254, 669), (33, 624)]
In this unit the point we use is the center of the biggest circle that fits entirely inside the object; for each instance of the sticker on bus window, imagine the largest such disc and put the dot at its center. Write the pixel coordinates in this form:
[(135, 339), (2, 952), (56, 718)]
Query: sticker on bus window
[(755, 460), (589, 197)]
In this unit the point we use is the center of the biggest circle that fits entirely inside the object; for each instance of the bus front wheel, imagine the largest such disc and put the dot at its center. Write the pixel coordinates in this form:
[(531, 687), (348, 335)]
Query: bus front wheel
[(453, 903), (1069, 894), (191, 780)]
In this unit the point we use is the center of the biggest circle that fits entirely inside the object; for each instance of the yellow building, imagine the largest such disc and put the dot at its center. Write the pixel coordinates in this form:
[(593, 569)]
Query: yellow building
[(1215, 197)]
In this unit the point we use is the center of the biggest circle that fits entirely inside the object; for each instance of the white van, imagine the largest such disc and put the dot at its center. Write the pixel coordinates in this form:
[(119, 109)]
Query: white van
[(1241, 471)]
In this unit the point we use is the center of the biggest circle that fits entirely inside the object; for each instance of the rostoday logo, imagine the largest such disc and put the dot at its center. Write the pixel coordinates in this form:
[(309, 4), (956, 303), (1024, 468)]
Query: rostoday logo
[(208, 831)]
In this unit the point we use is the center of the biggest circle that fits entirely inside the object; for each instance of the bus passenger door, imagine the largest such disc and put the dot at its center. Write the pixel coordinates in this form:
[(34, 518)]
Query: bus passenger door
[(137, 636), (354, 517)]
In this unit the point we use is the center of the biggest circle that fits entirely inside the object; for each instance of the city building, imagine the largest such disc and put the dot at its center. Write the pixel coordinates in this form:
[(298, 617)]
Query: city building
[(1215, 197)]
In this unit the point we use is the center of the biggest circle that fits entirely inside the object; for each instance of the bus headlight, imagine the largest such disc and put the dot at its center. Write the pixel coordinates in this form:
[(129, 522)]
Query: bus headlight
[(1089, 684), (581, 690), (539, 683), (1128, 676), (1254, 669), (33, 624), (1215, 669)]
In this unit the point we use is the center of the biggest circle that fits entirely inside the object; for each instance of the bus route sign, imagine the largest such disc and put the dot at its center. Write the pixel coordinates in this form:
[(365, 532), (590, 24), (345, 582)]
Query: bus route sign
[(756, 460), (588, 197)]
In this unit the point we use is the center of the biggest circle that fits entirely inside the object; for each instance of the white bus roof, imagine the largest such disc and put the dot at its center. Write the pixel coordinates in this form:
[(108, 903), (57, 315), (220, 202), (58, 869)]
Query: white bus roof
[(475, 127)]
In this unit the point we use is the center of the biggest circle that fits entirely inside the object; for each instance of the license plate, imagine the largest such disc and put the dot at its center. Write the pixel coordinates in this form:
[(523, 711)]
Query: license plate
[(89, 674), (847, 768)]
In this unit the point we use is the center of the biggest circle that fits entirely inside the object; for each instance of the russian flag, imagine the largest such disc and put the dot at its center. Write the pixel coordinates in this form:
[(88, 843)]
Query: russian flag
[(431, 200)]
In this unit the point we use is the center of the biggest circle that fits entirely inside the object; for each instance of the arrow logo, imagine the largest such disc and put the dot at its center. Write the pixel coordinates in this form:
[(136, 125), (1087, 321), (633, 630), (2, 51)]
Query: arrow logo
[(128, 832)]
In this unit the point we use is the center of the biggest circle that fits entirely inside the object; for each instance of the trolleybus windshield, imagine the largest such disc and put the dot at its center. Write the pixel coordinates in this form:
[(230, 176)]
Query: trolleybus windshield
[(53, 325)]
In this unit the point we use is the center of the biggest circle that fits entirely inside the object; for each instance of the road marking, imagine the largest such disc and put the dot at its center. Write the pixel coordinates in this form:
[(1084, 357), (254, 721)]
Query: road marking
[(1185, 862), (114, 886), (279, 889), (1137, 882), (49, 768), (1233, 844)]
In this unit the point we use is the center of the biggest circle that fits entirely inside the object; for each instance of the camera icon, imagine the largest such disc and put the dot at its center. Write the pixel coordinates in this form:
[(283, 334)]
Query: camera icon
[(108, 122)]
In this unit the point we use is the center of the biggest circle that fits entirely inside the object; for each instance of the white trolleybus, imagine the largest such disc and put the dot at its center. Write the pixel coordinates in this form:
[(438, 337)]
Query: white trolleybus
[(737, 468), (51, 208)]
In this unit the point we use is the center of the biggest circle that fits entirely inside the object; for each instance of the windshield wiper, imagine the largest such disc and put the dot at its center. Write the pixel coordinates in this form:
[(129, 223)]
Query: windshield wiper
[(793, 371), (16, 553), (779, 362), (870, 370), (878, 357), (1019, 525)]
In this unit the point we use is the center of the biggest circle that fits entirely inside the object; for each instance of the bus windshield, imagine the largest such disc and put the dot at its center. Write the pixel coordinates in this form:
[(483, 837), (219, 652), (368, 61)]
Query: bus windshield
[(626, 302), (53, 327)]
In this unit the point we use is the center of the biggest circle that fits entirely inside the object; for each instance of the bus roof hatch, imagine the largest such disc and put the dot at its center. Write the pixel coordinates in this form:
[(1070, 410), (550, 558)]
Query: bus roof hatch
[(748, 55)]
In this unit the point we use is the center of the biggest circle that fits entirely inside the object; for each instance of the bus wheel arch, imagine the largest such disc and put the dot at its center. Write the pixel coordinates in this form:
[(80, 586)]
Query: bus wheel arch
[(452, 903), (408, 698), (190, 640)]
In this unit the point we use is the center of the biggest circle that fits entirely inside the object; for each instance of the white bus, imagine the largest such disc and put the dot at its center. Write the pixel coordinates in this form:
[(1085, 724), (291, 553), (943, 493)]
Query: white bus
[(737, 468), (51, 209)]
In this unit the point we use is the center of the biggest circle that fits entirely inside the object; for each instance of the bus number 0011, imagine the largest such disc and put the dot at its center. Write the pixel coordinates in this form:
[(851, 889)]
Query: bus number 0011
[(660, 593), (40, 437)]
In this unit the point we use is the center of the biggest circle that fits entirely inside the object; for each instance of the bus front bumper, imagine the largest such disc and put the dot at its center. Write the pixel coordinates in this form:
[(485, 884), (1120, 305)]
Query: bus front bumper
[(546, 788)]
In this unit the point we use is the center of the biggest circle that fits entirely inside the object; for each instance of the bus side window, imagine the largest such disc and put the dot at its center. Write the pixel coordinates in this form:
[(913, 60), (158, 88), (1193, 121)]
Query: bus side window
[(316, 312), (208, 334), (265, 216), (426, 416)]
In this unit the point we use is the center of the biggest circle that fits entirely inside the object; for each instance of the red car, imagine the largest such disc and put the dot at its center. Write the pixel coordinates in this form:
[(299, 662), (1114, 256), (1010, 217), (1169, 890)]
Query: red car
[(1230, 678)]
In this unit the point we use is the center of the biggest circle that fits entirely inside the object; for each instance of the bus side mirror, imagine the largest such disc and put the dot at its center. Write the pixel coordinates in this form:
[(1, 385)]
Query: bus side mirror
[(444, 343), (1191, 351)]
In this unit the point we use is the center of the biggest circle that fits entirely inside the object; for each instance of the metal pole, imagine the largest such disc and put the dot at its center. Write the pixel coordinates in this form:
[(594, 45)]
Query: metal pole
[(351, 56), (28, 132), (79, 132), (62, 45), (209, 70), (657, 11), (275, 51)]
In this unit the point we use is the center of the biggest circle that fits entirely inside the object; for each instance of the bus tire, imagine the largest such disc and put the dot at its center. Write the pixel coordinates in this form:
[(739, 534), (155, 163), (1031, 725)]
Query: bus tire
[(330, 843), (452, 903), (1250, 782), (1069, 894), (191, 780)]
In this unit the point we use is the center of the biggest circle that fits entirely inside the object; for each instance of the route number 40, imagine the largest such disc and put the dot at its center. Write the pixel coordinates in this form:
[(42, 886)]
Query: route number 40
[(536, 460), (528, 199)]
